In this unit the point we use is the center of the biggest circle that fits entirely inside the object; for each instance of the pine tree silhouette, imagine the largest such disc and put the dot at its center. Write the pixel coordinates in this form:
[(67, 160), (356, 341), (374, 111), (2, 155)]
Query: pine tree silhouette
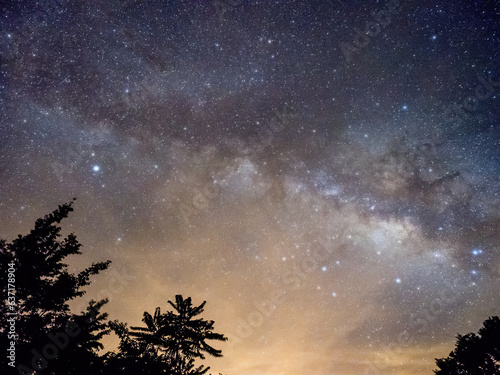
[(50, 339)]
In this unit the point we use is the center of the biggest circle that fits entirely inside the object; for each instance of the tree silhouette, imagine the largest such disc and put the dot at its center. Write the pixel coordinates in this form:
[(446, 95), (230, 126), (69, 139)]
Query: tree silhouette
[(173, 339), (135, 357), (473, 354), (50, 339)]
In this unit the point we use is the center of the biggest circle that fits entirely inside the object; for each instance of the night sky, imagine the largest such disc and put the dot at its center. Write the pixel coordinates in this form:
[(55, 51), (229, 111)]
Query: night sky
[(325, 174)]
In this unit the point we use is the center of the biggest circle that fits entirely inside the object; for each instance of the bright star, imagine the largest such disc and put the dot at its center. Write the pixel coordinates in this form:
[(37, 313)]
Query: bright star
[(476, 251), (323, 268), (96, 168), (398, 280)]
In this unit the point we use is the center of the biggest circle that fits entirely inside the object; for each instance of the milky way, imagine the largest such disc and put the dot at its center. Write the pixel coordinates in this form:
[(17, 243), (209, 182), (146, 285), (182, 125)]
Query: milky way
[(325, 174)]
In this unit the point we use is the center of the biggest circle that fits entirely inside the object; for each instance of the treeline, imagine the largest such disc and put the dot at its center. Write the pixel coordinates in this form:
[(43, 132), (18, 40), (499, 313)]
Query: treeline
[(474, 354), (40, 335)]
